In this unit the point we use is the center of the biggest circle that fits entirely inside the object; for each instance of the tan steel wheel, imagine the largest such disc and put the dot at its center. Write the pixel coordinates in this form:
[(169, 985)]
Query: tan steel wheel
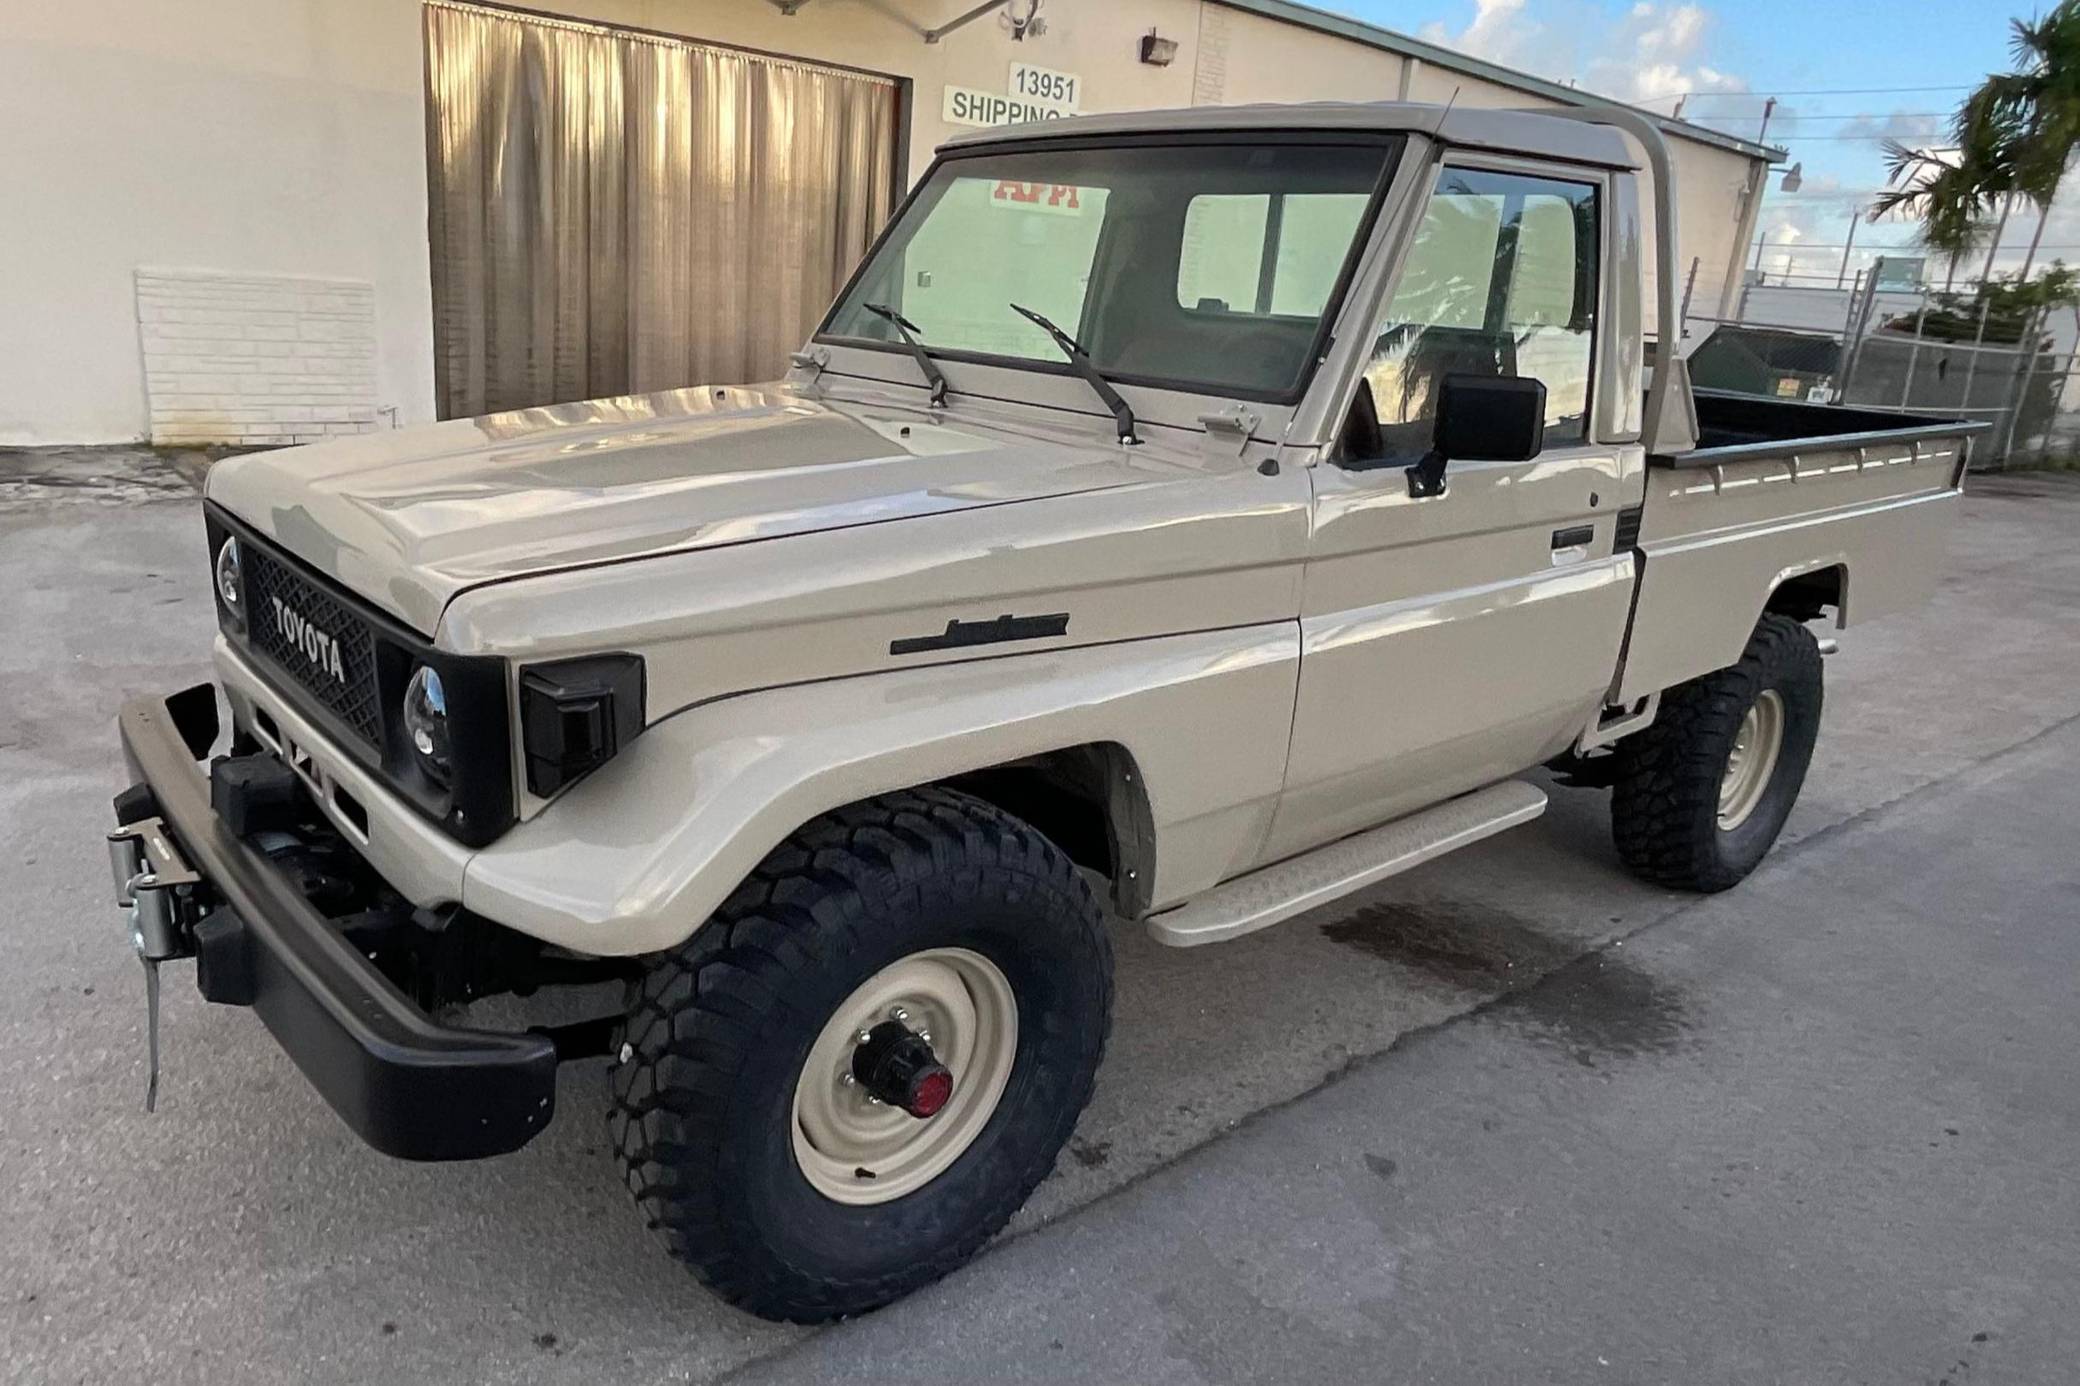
[(856, 1150), (1753, 760)]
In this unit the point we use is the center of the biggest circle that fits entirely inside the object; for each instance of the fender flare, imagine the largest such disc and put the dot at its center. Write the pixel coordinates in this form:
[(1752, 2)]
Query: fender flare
[(636, 856)]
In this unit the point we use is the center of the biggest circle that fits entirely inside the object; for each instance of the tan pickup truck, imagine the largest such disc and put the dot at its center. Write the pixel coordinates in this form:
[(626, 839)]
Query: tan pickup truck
[(1203, 514)]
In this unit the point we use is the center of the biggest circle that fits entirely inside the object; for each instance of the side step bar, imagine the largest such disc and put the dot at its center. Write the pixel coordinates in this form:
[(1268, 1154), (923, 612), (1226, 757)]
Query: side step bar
[(1274, 893)]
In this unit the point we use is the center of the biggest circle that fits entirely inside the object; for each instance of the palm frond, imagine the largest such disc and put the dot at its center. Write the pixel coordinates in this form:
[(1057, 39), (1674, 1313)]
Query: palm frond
[(1949, 199), (2013, 136)]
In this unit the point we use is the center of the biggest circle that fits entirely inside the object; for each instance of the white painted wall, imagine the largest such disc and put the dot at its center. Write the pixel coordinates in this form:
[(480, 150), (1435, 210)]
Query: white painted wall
[(287, 137), (253, 136)]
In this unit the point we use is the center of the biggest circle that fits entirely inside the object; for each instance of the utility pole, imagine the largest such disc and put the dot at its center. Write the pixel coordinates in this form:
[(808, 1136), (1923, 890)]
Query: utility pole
[(2000, 229), (1854, 216), (2036, 237)]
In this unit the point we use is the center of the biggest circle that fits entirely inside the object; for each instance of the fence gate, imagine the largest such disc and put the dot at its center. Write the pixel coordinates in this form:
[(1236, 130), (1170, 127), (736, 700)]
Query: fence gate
[(615, 212)]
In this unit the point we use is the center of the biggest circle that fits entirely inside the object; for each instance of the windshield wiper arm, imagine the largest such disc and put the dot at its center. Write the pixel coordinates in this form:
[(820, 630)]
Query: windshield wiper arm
[(935, 377), (1080, 360)]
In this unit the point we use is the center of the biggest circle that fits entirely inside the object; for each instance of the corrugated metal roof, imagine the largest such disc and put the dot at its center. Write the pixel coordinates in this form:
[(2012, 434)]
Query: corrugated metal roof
[(1373, 36)]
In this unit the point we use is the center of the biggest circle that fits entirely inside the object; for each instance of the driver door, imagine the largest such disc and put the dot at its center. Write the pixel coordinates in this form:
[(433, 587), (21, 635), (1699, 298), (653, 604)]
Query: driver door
[(1453, 640)]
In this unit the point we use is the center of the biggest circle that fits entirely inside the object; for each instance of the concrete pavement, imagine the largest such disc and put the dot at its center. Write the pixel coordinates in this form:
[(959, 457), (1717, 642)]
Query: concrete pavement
[(243, 1235), (1818, 1130)]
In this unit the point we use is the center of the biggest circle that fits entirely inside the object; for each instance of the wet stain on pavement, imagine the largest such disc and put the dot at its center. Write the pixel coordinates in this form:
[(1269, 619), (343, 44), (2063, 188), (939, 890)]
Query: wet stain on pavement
[(1601, 1006), (1591, 1006), (1473, 946)]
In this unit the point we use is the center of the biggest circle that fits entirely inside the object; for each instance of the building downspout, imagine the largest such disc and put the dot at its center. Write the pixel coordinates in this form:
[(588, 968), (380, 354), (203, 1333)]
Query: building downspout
[(1750, 213)]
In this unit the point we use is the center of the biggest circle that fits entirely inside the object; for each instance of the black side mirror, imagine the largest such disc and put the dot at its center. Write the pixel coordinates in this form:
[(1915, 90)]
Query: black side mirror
[(1481, 418)]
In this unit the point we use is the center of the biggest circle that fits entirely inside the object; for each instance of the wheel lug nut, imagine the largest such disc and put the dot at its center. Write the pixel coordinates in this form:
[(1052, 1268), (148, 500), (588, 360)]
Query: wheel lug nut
[(863, 1036), (925, 1035), (900, 1016), (846, 1078)]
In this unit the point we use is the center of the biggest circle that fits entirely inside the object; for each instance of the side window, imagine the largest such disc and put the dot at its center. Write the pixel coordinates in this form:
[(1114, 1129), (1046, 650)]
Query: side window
[(1501, 281), (1270, 255)]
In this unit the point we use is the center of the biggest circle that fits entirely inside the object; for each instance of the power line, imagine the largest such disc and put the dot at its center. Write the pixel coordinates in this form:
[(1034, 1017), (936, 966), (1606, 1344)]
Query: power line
[(1794, 247), (1930, 142), (1775, 92), (1838, 115)]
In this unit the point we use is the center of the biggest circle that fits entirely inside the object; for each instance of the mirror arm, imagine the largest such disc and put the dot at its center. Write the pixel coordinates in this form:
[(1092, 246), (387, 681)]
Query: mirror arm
[(1426, 478)]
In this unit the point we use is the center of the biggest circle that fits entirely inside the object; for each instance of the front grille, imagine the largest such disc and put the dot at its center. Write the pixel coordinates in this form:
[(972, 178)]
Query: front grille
[(301, 627)]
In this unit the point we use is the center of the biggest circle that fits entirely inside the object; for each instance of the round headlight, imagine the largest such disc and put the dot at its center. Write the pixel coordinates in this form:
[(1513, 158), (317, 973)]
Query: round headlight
[(426, 721), (230, 590)]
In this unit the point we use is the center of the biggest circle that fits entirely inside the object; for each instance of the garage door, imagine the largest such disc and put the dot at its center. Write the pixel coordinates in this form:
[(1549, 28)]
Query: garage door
[(615, 212)]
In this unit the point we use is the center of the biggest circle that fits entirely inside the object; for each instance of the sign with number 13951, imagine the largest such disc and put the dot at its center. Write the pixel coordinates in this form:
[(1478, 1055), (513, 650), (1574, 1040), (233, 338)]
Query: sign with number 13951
[(1047, 87)]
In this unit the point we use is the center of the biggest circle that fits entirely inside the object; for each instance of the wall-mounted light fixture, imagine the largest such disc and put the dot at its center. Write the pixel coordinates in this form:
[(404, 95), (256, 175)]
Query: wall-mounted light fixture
[(1156, 50)]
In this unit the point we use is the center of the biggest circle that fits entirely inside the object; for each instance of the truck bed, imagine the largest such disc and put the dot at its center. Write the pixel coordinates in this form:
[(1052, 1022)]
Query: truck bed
[(1850, 505), (1733, 427)]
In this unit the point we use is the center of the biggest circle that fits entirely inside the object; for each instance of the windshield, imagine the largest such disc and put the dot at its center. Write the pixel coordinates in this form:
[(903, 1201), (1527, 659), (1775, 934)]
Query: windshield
[(1207, 267)]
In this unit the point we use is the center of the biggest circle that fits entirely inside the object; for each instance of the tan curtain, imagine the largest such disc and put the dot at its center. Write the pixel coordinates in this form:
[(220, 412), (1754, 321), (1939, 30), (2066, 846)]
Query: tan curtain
[(613, 212)]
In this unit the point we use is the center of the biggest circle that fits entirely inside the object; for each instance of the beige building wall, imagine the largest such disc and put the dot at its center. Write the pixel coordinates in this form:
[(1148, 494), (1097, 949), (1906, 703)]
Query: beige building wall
[(287, 137), (1097, 42), (1247, 58), (258, 137)]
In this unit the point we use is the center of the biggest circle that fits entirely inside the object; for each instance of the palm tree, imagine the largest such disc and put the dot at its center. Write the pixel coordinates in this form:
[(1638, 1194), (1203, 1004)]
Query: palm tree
[(2012, 137)]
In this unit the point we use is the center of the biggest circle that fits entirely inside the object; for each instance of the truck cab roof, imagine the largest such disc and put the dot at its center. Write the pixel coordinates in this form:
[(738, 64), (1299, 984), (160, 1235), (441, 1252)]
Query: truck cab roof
[(1524, 132)]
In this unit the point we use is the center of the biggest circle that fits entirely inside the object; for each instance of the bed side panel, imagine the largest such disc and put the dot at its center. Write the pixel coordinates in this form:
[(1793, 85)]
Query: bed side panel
[(1717, 540)]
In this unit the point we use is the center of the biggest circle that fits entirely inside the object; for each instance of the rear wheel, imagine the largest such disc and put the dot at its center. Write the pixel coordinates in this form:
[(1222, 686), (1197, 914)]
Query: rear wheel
[(1700, 796), (854, 1074)]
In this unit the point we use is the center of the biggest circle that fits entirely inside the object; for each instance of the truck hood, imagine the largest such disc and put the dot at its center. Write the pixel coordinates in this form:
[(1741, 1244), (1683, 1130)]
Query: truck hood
[(412, 517)]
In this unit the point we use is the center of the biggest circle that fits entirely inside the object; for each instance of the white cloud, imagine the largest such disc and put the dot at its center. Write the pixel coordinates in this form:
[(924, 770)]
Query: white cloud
[(1650, 54), (1657, 52), (1499, 31)]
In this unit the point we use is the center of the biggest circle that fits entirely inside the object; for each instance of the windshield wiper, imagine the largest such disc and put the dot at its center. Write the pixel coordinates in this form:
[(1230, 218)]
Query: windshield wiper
[(1080, 360), (935, 377)]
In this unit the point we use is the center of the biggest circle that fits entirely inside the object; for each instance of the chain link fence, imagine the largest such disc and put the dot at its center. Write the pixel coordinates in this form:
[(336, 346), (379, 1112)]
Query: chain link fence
[(1909, 349)]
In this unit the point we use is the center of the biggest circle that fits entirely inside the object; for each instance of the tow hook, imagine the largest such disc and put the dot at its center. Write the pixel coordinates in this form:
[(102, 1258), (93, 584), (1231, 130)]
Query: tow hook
[(896, 1065), (160, 893)]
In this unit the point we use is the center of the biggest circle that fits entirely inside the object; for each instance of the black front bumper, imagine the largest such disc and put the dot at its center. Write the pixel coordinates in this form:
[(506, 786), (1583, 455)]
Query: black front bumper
[(409, 1087)]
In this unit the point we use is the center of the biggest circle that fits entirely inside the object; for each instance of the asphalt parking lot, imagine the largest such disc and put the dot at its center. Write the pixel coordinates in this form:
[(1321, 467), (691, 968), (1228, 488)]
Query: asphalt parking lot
[(242, 1234)]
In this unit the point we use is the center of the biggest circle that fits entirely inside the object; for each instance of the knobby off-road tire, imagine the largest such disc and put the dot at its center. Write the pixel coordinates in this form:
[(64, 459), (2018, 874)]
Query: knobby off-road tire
[(705, 1102), (1666, 806)]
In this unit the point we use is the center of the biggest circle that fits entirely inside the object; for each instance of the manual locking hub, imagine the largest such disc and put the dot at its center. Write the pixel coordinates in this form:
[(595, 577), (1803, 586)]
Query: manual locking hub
[(896, 1064)]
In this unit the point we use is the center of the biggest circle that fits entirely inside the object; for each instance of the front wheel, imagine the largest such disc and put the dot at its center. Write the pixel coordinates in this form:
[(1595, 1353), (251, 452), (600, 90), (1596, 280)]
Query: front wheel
[(854, 1074), (1701, 795)]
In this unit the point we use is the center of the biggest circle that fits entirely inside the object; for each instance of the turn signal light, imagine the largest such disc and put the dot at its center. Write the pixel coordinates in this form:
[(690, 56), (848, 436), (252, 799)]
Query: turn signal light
[(576, 715)]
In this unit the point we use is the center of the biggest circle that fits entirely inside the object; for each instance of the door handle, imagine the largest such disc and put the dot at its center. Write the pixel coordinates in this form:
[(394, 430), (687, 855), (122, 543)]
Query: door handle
[(1574, 537)]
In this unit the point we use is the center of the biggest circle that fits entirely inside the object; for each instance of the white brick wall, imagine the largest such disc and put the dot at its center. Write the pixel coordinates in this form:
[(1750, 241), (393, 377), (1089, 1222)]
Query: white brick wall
[(256, 359)]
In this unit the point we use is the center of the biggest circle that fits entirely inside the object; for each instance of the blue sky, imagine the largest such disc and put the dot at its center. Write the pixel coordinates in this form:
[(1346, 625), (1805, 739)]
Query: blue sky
[(1732, 55)]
